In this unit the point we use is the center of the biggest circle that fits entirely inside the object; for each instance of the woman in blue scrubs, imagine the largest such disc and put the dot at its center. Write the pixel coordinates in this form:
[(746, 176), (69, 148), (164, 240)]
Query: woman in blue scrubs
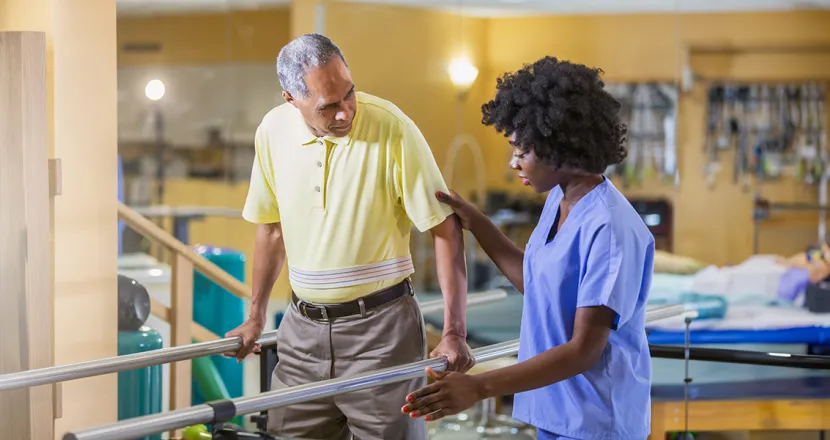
[(584, 368)]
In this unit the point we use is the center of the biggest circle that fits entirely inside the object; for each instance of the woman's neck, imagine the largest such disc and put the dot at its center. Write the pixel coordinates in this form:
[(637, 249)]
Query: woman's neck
[(577, 186)]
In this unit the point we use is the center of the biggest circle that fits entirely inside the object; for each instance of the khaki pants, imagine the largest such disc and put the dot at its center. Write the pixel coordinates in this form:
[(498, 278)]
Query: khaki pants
[(311, 351)]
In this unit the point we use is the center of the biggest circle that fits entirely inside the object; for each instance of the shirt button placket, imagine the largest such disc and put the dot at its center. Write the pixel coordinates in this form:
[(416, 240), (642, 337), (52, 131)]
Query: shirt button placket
[(320, 175)]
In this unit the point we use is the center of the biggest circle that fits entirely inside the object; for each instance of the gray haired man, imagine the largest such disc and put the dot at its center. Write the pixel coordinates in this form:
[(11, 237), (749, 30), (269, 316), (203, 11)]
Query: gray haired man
[(339, 178)]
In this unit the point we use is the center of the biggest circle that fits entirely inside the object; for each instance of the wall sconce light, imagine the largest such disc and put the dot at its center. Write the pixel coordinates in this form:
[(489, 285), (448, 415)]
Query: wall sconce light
[(154, 90), (462, 74)]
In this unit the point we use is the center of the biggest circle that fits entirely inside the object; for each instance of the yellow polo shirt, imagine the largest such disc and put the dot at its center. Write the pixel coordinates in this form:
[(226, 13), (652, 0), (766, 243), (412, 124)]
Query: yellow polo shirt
[(344, 202)]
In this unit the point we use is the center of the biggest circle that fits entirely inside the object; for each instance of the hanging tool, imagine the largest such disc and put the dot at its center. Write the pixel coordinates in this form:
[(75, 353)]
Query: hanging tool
[(636, 140), (711, 144), (669, 166)]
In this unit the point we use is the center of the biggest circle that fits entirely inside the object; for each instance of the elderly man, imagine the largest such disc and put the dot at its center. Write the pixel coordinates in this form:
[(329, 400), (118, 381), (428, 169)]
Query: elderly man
[(338, 179)]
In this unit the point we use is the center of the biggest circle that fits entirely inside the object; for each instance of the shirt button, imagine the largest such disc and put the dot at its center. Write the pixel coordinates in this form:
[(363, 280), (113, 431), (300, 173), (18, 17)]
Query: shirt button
[(317, 188), (319, 164)]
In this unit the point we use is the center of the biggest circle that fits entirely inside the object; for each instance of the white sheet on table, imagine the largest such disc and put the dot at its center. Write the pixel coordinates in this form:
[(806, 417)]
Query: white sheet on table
[(751, 318), (758, 275)]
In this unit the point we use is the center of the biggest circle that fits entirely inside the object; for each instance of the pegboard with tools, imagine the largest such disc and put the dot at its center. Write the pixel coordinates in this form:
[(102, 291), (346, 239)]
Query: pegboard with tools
[(773, 130), (649, 111)]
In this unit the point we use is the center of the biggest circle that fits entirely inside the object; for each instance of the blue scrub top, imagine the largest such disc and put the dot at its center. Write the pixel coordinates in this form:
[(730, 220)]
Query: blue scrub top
[(602, 256)]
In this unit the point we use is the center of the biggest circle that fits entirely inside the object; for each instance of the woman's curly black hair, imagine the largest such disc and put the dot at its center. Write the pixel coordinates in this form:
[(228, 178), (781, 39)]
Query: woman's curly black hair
[(562, 112)]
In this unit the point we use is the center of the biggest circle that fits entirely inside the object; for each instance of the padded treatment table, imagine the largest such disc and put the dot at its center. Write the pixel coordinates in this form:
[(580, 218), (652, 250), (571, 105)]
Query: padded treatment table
[(800, 335)]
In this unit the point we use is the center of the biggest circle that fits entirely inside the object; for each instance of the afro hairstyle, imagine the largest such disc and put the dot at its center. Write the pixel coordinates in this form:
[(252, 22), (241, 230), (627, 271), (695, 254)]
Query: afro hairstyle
[(562, 112)]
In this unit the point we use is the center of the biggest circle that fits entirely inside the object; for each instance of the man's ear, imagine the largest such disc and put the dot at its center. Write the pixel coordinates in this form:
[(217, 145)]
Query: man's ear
[(288, 98)]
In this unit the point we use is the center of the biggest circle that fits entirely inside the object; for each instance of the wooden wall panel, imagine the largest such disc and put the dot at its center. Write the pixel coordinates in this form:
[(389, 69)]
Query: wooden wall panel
[(25, 233)]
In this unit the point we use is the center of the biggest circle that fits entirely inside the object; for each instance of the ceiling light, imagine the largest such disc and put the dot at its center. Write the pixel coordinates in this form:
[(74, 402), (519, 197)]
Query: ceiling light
[(154, 90), (463, 73)]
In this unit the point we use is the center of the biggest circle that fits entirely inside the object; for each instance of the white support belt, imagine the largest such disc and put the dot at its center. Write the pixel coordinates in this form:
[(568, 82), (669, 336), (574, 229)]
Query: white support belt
[(351, 276)]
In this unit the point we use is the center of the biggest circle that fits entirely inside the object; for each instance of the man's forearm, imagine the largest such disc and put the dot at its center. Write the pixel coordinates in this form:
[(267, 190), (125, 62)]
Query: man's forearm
[(507, 257), (269, 257), (451, 268)]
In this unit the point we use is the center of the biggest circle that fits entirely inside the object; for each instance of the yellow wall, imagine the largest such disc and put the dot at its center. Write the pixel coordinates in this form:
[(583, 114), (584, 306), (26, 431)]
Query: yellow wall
[(713, 225), (209, 38)]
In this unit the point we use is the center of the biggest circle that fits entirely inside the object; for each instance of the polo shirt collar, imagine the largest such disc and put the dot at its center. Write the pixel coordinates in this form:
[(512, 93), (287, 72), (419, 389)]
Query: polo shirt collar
[(309, 138)]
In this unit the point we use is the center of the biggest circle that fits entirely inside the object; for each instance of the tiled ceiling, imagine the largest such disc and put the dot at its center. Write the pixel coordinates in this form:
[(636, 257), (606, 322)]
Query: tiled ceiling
[(501, 7)]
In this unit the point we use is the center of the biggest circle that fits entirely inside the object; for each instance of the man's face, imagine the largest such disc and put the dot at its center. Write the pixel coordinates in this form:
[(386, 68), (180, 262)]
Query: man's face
[(329, 109)]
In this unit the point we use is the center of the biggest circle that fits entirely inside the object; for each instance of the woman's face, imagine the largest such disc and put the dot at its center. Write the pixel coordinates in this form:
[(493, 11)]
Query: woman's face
[(534, 173)]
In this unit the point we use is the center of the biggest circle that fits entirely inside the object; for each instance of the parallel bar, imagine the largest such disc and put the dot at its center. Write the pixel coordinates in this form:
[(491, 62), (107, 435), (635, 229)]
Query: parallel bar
[(154, 424), (128, 362), (742, 357), (116, 364), (487, 297), (658, 313)]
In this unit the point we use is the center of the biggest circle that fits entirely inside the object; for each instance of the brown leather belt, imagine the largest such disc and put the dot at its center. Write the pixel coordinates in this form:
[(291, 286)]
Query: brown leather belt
[(358, 307)]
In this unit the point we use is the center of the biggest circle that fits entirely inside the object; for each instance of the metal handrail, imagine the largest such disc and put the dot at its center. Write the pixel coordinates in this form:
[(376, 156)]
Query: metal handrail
[(149, 425), (487, 297), (205, 413), (63, 373), (662, 312)]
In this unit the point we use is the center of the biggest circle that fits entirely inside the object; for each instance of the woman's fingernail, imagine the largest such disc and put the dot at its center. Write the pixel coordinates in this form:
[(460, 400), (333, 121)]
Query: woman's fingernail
[(428, 418), (406, 409)]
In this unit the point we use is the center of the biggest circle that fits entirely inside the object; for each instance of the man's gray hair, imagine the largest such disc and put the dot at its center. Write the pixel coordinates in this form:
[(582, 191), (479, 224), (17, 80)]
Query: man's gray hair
[(301, 55)]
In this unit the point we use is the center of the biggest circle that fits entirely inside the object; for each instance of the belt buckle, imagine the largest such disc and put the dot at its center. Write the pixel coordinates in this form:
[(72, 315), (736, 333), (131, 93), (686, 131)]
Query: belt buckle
[(303, 307)]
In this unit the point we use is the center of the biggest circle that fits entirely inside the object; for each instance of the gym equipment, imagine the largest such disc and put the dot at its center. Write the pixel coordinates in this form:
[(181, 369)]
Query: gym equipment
[(133, 304), (139, 390), (196, 432), (208, 381), (219, 311)]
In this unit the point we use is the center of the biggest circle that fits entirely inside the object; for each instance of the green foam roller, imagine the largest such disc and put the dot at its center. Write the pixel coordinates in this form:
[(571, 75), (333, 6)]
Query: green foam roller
[(210, 383)]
